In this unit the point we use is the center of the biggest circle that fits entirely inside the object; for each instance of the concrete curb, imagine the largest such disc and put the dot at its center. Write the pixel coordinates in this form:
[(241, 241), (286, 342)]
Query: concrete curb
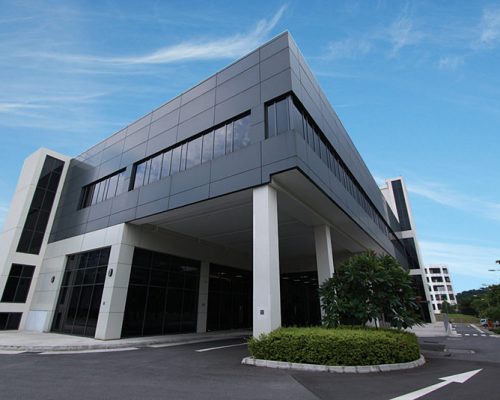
[(359, 369)]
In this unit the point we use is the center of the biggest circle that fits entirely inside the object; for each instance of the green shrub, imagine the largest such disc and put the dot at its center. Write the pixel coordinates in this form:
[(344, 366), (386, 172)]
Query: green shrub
[(339, 346)]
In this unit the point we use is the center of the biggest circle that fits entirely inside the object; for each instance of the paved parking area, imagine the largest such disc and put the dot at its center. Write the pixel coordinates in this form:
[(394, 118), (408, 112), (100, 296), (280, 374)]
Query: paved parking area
[(213, 370)]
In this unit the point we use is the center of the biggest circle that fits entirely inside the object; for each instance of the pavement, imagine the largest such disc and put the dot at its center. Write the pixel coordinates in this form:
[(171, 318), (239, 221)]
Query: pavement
[(28, 341)]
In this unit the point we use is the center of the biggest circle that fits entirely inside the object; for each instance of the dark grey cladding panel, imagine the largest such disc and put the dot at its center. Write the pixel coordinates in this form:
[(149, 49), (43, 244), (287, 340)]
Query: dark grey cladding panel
[(97, 224), (189, 196), (125, 201), (196, 124), (266, 73), (162, 141), (276, 86), (153, 207), (235, 163), (237, 84), (100, 210), (167, 108), (244, 101), (166, 122), (136, 138), (279, 148), (133, 155), (109, 166), (190, 178), (112, 151), (238, 67), (236, 182), (139, 124), (197, 105), (199, 90), (122, 216), (156, 190)]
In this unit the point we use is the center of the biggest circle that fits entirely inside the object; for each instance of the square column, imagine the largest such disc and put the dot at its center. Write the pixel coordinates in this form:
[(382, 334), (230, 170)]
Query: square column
[(324, 253), (201, 324), (266, 267), (114, 295)]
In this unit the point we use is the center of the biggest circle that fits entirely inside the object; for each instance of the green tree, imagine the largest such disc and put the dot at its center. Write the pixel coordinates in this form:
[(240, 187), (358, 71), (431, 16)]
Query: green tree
[(367, 287), (488, 303)]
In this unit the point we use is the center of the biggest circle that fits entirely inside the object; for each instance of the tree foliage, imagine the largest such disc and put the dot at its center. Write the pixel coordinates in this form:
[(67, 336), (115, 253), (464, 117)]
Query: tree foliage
[(369, 287), (487, 304)]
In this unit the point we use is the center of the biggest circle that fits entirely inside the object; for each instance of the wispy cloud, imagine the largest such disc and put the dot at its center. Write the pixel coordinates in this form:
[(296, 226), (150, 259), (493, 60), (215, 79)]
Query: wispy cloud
[(463, 259), (439, 193), (401, 34), (348, 49), (450, 63), (202, 49), (489, 28)]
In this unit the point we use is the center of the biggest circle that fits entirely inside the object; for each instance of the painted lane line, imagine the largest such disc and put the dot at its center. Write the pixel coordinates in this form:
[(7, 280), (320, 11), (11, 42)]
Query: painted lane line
[(48, 353), (161, 345), (220, 347), (467, 334), (476, 328), (11, 352), (475, 334), (459, 378), (482, 334)]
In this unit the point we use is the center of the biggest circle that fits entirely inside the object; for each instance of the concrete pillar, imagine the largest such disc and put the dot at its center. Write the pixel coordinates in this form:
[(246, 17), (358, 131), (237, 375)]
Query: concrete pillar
[(266, 269), (114, 296), (201, 325), (324, 253)]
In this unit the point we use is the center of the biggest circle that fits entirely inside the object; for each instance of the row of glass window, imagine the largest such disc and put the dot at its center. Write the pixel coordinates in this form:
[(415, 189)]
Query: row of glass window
[(41, 205), (104, 189), (287, 114), (225, 139), (18, 283)]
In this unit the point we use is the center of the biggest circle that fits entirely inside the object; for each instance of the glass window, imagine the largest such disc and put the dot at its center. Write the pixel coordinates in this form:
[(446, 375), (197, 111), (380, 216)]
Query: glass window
[(165, 169), (208, 147), (139, 174), (229, 138), (194, 152), (241, 133), (271, 120), (146, 172), (220, 142), (297, 120), (113, 181), (155, 172), (176, 160), (183, 156), (282, 116)]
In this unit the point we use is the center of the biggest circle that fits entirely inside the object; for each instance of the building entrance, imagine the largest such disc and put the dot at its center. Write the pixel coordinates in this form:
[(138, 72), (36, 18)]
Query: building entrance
[(300, 299)]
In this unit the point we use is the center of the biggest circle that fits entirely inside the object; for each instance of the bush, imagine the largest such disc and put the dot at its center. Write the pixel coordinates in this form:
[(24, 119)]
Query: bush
[(340, 346)]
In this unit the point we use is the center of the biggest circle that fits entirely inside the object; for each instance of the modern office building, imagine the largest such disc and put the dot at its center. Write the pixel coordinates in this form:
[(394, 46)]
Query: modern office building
[(222, 209), (439, 286)]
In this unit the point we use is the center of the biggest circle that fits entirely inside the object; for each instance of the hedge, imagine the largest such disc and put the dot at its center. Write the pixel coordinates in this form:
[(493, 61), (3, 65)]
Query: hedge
[(340, 346)]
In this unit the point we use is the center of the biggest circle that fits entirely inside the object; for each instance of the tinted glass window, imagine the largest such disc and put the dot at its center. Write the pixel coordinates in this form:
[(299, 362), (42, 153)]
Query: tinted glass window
[(194, 152), (155, 172), (271, 120), (220, 142), (241, 133), (167, 159), (282, 116), (208, 146)]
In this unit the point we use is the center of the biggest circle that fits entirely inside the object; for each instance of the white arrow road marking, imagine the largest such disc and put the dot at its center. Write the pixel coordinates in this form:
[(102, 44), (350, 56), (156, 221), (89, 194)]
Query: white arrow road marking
[(459, 378)]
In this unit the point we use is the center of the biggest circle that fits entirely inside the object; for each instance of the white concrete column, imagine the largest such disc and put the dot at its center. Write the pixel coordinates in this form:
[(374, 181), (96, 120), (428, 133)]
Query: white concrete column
[(201, 324), (324, 253), (266, 269), (114, 296)]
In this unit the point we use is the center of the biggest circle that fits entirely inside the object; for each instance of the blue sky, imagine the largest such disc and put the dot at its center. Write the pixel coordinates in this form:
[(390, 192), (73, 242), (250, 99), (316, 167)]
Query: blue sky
[(416, 84)]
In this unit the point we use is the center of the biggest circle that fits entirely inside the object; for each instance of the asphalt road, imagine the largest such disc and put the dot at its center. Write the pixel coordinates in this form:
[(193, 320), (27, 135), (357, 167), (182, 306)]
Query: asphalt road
[(183, 373)]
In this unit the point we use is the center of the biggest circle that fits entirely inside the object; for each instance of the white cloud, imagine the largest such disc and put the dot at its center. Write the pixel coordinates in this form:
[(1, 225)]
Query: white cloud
[(402, 34), (489, 34), (442, 195), (463, 259), (450, 63), (348, 48), (203, 49)]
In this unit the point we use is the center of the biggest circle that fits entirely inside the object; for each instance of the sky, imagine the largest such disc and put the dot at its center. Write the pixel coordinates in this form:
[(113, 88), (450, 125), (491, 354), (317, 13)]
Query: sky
[(416, 84)]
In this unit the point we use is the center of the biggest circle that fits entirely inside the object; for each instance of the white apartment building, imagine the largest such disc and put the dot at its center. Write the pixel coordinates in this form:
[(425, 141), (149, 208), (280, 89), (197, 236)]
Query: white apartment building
[(440, 286)]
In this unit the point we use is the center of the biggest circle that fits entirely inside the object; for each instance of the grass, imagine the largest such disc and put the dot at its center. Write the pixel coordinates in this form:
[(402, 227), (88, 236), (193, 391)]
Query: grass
[(459, 318)]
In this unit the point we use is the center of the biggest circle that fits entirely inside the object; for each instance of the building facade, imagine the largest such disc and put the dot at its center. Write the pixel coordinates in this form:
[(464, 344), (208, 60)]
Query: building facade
[(224, 208), (439, 286)]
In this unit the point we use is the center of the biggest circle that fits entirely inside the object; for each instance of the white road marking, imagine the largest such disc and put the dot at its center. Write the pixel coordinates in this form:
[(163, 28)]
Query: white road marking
[(476, 328), (467, 334), (459, 378), (475, 334), (48, 353), (483, 334), (11, 352), (220, 347)]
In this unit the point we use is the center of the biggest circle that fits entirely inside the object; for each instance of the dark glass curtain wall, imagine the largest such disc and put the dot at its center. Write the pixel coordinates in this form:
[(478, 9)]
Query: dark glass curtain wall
[(162, 294), (300, 299), (81, 292)]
